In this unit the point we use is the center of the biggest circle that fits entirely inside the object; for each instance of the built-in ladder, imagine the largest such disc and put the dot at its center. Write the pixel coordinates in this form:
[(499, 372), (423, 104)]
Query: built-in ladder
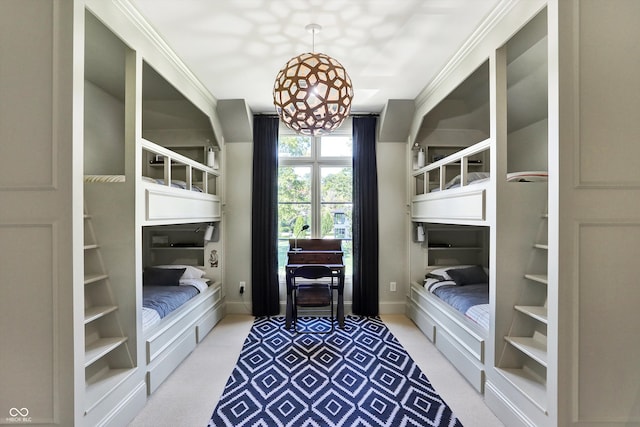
[(524, 360), (107, 358)]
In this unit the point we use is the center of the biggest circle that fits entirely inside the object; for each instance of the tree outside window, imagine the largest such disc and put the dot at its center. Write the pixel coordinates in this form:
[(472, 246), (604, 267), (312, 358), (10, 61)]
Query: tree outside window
[(315, 188)]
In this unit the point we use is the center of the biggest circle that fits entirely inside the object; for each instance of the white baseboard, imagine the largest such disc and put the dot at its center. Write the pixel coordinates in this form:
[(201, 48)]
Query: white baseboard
[(392, 307), (238, 307)]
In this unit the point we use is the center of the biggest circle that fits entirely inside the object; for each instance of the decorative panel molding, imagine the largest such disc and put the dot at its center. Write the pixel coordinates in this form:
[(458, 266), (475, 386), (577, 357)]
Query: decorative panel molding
[(607, 130), (28, 349), (607, 316), (27, 131)]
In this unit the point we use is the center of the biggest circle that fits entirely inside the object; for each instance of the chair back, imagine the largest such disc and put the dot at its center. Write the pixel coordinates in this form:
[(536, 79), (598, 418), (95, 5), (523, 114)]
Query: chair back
[(312, 271)]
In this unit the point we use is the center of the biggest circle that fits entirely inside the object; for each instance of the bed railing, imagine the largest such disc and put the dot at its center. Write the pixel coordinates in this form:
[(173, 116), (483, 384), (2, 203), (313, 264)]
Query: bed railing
[(178, 167), (435, 176)]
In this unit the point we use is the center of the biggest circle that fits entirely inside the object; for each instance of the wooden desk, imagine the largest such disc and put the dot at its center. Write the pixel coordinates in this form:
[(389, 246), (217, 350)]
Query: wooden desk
[(327, 252)]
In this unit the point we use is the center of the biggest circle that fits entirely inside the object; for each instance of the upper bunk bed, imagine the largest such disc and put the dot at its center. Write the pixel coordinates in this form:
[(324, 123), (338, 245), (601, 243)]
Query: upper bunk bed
[(453, 189), (453, 178), (174, 166), (177, 188), (451, 155)]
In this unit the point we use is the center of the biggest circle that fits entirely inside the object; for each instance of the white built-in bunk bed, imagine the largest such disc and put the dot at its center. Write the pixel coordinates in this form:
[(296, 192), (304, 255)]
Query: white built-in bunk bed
[(448, 212), (150, 181), (449, 298), (480, 203), (172, 322), (179, 194)]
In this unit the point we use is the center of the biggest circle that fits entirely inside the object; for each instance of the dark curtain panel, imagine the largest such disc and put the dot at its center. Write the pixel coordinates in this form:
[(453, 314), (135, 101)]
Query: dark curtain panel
[(365, 217), (264, 213)]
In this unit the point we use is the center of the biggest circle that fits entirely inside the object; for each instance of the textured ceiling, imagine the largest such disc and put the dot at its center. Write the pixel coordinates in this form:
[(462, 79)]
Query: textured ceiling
[(391, 48)]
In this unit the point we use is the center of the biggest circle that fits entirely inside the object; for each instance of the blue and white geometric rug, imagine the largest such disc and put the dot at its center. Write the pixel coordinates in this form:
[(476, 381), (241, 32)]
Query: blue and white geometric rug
[(359, 376)]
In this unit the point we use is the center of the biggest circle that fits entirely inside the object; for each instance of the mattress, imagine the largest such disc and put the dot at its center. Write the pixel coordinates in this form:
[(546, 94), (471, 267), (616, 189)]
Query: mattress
[(472, 178), (165, 299), (463, 297), (121, 178), (470, 300), (174, 183), (480, 314), (150, 317)]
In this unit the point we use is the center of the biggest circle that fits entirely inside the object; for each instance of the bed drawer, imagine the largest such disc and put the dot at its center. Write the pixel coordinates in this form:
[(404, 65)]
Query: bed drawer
[(168, 362), (445, 317), (208, 321), (422, 321), (471, 369), (186, 317)]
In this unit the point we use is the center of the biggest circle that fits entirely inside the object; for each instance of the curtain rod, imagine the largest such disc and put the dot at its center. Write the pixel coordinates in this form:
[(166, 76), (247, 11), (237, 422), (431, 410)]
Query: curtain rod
[(364, 115), (350, 115)]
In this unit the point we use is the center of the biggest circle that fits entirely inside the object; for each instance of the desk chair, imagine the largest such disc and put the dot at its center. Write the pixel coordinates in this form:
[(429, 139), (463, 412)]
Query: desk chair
[(312, 294)]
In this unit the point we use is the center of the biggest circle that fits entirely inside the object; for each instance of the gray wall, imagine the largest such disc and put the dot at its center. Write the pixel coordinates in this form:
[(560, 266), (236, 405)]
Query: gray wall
[(392, 219)]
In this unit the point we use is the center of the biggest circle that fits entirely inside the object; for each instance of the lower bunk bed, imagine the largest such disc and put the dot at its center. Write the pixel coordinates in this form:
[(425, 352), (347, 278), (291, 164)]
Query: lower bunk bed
[(180, 307), (451, 307)]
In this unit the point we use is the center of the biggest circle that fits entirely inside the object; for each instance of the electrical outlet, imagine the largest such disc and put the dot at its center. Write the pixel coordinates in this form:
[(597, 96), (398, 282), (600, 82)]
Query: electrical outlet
[(392, 286), (242, 285)]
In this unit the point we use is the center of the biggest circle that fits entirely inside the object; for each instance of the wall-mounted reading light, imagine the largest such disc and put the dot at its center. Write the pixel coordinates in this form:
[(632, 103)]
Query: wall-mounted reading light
[(208, 233)]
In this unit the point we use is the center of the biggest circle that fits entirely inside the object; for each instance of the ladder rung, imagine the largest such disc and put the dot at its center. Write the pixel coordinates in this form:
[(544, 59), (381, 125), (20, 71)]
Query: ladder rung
[(92, 278), (540, 278)]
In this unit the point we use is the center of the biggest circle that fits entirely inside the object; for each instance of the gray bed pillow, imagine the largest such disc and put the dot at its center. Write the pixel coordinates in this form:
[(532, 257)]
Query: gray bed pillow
[(469, 275), (434, 276), (162, 276)]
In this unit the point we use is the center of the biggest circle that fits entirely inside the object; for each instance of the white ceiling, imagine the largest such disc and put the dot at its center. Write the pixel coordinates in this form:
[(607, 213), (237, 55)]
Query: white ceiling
[(391, 48)]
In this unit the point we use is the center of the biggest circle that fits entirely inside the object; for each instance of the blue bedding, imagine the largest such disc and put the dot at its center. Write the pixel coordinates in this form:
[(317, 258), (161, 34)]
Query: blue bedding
[(463, 297), (165, 299)]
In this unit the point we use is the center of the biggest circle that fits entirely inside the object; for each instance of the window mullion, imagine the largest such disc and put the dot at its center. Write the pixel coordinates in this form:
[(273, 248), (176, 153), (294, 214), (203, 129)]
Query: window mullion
[(316, 190)]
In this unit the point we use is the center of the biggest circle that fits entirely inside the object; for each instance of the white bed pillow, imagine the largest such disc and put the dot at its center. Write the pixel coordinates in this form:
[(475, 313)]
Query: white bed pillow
[(190, 271), (471, 177), (443, 271), (199, 284), (528, 176), (431, 284)]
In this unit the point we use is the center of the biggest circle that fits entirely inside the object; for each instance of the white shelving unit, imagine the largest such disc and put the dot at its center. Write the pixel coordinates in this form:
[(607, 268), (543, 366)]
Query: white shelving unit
[(451, 245), (107, 359), (176, 244), (524, 360)]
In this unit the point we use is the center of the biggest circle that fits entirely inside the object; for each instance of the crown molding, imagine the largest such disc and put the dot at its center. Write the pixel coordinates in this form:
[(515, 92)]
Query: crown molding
[(140, 22), (492, 20)]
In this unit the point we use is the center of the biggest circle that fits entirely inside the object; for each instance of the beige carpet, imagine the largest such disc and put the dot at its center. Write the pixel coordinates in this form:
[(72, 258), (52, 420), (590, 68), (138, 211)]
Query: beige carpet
[(189, 396)]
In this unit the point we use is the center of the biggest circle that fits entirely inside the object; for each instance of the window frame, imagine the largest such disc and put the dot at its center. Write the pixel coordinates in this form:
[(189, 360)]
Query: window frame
[(316, 163)]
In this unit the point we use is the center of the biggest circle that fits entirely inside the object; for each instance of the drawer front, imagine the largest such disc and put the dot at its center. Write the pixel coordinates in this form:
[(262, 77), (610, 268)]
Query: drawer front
[(302, 258)]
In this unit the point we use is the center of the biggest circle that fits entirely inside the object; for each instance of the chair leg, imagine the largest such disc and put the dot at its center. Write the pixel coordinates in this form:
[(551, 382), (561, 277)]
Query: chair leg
[(331, 316), (295, 316)]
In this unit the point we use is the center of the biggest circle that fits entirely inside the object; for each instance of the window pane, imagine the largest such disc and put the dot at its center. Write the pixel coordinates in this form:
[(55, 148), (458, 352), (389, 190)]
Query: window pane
[(294, 201), (294, 146), (336, 184), (298, 192), (336, 146), (294, 184), (336, 220), (291, 218)]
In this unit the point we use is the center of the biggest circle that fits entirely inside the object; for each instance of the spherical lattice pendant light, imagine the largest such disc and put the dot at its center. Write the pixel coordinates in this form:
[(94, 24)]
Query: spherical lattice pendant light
[(313, 92)]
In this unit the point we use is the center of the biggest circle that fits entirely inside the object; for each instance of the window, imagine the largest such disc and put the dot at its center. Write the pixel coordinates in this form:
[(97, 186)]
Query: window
[(315, 182)]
